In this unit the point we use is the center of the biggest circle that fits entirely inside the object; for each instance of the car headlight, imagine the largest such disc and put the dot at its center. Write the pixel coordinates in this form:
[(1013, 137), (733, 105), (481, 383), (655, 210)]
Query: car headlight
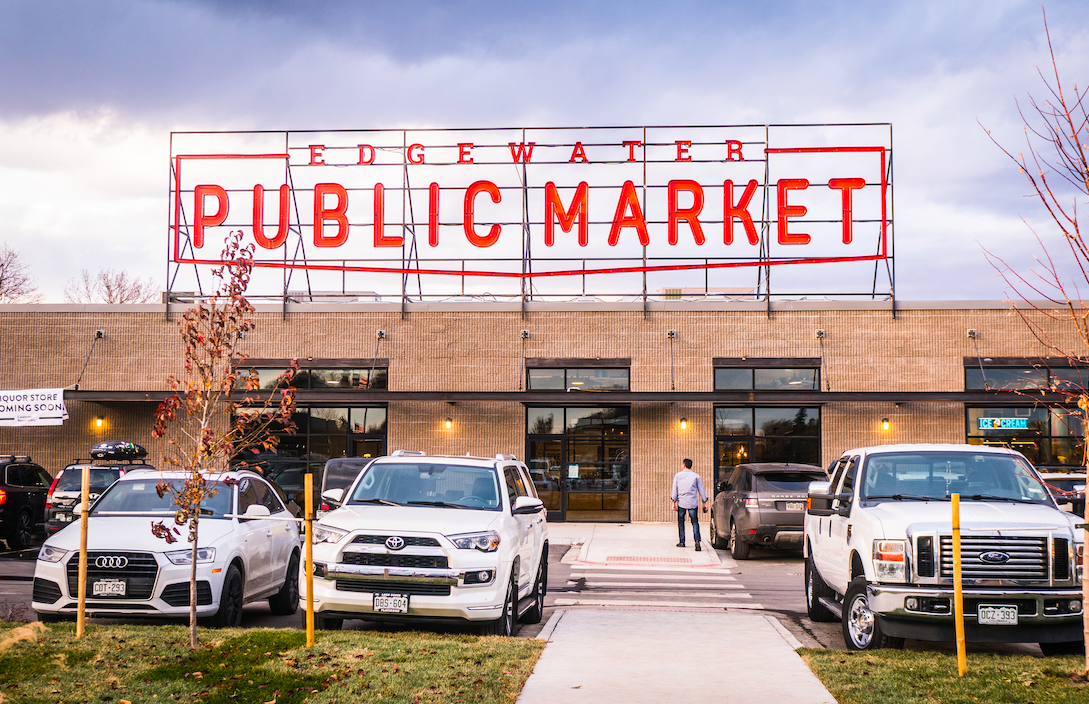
[(325, 534), (889, 560), (48, 553), (185, 557), (487, 541)]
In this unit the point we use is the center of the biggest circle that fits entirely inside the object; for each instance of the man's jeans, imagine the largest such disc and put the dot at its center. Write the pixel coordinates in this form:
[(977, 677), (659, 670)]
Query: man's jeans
[(693, 515)]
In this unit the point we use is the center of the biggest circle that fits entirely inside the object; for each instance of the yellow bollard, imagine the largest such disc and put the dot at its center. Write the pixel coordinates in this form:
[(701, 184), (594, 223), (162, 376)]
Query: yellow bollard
[(958, 589), (85, 490), (308, 515)]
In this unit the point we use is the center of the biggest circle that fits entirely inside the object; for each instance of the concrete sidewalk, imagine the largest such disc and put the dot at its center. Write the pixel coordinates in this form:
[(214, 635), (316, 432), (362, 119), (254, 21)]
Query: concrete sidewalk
[(633, 655)]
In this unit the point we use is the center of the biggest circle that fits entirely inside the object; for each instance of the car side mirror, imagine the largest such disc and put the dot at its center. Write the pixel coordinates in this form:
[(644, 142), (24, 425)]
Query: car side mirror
[(818, 500), (844, 507), (333, 496), (526, 504), (722, 486), (257, 511), (77, 510)]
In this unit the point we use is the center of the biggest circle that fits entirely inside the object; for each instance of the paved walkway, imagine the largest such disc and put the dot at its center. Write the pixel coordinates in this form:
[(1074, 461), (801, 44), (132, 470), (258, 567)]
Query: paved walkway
[(644, 654)]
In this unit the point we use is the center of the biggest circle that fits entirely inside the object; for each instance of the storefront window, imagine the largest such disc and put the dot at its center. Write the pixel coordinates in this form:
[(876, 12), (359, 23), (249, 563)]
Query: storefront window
[(766, 434), (767, 378), (1047, 437), (315, 379), (1005, 378), (578, 378)]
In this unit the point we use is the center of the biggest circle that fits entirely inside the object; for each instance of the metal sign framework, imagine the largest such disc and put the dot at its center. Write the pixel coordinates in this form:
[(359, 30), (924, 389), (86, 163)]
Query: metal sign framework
[(428, 276)]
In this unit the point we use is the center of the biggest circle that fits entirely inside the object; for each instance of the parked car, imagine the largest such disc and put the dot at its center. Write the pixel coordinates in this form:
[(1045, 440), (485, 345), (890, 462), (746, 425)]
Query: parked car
[(1068, 488), (761, 504), (23, 488), (243, 555), (879, 549), (422, 536), (66, 489), (339, 474)]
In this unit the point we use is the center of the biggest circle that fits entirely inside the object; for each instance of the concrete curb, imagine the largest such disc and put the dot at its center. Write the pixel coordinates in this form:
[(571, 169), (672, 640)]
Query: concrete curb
[(550, 626), (793, 642)]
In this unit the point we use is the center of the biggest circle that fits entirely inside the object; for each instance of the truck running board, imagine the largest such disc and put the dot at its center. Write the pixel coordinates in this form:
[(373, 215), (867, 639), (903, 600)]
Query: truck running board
[(525, 603), (833, 606)]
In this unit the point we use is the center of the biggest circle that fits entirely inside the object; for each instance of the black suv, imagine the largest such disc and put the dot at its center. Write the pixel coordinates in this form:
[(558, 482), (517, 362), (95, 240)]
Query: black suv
[(762, 504), (23, 487)]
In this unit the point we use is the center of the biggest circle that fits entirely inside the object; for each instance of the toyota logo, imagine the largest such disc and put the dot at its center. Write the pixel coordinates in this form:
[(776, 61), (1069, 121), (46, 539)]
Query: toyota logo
[(395, 542), (994, 558), (112, 562)]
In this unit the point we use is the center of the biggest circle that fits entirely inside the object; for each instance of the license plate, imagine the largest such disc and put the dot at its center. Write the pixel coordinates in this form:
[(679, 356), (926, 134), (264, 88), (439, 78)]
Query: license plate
[(795, 505), (64, 517), (108, 587), (997, 615), (391, 603)]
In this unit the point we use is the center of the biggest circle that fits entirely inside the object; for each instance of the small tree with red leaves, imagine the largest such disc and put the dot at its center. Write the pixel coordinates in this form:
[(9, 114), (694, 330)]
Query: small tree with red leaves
[(216, 413), (1049, 298)]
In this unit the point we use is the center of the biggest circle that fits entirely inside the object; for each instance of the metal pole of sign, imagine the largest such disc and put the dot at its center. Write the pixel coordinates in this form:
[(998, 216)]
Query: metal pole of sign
[(85, 490), (958, 589), (308, 515)]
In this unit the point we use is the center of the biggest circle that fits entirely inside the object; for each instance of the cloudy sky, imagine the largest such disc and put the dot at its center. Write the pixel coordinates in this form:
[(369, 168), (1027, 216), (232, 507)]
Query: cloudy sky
[(92, 89)]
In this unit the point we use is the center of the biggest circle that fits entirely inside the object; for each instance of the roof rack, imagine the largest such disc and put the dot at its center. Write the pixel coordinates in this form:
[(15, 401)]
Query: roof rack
[(500, 456), (15, 458), (407, 453), (109, 460)]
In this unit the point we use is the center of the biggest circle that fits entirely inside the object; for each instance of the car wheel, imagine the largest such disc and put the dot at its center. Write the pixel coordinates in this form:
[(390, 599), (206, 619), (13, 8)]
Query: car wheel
[(716, 540), (24, 529), (505, 624), (738, 548), (54, 618), (540, 586), (861, 627), (229, 614), (1075, 647), (326, 623), (815, 588), (286, 601)]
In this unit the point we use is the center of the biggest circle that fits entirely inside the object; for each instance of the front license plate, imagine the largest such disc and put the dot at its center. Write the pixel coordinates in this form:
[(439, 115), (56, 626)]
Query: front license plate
[(64, 517), (108, 587), (997, 615), (391, 603), (795, 506)]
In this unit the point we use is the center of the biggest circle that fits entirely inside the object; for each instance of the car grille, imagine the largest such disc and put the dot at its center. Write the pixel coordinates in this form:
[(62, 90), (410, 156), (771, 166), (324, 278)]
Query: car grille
[(178, 594), (1062, 560), (395, 560), (46, 591), (924, 556), (139, 573), (410, 540), (1028, 557), (382, 587)]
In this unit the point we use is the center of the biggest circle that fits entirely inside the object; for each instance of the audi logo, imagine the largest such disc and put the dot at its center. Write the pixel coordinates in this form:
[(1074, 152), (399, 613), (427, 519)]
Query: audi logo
[(994, 557), (395, 542), (112, 562)]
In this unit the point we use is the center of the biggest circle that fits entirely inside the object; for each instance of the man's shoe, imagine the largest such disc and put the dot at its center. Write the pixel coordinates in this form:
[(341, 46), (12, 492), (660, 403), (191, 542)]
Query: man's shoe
[(680, 545), (698, 548)]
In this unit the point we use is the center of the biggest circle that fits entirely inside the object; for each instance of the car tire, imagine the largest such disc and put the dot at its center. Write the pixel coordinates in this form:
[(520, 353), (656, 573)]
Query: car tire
[(540, 587), (716, 540), (286, 601), (815, 589), (24, 530), (327, 623), (738, 548), (506, 624), (53, 618), (229, 614), (861, 627), (1075, 647)]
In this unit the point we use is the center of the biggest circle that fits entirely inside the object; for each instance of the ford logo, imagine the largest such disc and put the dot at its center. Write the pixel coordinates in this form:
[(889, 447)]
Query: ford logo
[(112, 562), (395, 542), (994, 557)]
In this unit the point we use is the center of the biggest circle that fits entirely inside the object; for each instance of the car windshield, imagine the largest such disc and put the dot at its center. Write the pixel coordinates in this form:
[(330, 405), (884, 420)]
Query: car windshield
[(425, 484), (788, 481), (140, 497), (938, 475), (71, 478), (339, 474)]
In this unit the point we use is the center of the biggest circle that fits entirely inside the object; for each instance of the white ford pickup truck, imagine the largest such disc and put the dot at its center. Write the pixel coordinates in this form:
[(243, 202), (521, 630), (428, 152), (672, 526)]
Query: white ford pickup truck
[(879, 549)]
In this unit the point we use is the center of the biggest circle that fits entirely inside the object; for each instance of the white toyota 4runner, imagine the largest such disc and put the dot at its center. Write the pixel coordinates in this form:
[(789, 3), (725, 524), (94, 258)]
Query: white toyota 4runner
[(419, 536), (879, 549)]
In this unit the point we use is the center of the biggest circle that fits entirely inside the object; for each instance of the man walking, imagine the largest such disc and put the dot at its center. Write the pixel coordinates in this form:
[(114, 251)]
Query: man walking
[(687, 491)]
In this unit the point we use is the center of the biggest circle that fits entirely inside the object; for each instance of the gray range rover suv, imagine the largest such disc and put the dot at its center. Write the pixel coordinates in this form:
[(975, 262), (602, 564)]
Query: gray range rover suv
[(762, 504)]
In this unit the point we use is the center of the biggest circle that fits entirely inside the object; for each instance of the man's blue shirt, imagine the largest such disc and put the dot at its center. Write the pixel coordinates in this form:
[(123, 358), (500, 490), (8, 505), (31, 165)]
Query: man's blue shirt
[(686, 485)]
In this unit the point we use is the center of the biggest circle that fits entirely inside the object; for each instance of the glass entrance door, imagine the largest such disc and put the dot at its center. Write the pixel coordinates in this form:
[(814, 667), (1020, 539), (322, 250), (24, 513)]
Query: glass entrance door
[(580, 463)]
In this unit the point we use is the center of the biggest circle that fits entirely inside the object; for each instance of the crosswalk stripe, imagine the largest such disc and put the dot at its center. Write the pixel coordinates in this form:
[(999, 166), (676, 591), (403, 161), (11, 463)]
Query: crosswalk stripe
[(609, 584), (693, 578), (643, 568), (649, 602), (670, 592)]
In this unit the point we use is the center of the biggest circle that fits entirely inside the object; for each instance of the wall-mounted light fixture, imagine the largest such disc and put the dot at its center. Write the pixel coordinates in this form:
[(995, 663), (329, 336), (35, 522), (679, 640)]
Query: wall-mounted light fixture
[(100, 422), (885, 424), (449, 423), (684, 424)]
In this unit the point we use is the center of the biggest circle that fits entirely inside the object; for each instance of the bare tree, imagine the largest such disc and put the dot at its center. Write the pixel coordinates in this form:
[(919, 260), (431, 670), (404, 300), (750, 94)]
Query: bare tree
[(1049, 298), (16, 284), (207, 426), (109, 286)]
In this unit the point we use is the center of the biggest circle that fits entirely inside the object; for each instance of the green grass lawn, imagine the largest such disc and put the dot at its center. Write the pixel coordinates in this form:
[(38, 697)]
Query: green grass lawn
[(891, 676), (153, 664)]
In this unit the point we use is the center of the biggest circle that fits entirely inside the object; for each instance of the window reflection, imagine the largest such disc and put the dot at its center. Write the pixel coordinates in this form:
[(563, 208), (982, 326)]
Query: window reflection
[(765, 378), (581, 379)]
